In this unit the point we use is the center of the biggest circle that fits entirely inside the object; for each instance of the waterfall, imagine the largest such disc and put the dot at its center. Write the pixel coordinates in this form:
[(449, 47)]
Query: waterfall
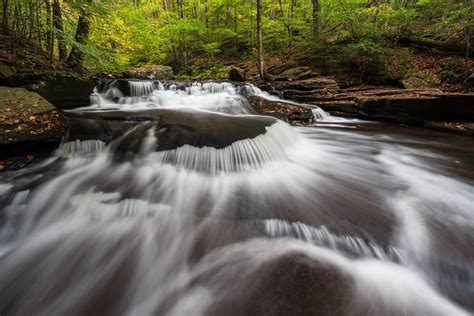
[(247, 154), (322, 237), (141, 88), (174, 198)]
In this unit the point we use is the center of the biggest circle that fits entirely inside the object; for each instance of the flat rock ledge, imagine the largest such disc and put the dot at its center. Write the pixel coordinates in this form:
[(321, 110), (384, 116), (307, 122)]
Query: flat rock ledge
[(28, 124), (431, 108)]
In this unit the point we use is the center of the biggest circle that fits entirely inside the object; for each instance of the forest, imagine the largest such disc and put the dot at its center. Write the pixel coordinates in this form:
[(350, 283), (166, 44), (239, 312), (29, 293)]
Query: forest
[(236, 157), (199, 37)]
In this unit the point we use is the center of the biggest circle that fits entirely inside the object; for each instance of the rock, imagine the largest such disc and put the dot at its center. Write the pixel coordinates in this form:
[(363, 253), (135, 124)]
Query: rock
[(418, 107), (289, 112), (315, 83), (289, 284), (417, 80), (465, 128), (278, 69), (5, 73), (27, 117), (237, 74), (173, 128), (65, 90), (469, 83), (151, 72), (297, 73)]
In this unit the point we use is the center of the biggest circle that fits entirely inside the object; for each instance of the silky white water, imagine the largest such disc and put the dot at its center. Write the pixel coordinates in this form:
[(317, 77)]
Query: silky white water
[(289, 221)]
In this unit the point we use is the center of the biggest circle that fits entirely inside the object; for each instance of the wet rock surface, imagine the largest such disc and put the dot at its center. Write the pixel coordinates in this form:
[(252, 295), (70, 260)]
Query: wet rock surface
[(293, 284), (288, 112), (173, 128)]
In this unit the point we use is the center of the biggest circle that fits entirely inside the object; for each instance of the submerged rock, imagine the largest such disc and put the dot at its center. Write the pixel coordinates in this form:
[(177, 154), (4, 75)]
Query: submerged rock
[(292, 284)]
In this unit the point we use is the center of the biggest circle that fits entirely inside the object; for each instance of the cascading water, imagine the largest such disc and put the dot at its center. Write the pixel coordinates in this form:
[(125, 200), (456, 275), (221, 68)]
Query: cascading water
[(171, 198)]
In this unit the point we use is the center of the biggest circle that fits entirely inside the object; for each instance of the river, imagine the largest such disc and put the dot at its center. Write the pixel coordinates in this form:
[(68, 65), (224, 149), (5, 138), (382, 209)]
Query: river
[(177, 199)]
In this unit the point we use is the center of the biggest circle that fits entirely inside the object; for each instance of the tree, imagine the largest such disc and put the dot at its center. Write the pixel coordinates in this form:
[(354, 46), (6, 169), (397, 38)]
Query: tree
[(261, 62), (5, 17), (59, 30), (49, 30), (76, 56), (316, 20)]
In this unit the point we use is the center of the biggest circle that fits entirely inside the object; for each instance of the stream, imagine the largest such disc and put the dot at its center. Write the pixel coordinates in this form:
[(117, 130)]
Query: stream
[(176, 198)]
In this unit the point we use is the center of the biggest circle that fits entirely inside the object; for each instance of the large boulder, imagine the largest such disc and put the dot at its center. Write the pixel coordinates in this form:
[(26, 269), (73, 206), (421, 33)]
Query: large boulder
[(237, 74), (65, 90), (27, 117), (151, 72)]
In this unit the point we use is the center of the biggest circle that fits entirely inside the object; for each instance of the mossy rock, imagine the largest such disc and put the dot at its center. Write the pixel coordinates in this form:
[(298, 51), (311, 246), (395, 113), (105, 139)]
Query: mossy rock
[(296, 73), (237, 74), (26, 116), (415, 79), (65, 90), (6, 72)]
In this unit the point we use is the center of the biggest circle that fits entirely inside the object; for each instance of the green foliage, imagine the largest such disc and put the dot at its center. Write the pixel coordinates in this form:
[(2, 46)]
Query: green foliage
[(127, 34)]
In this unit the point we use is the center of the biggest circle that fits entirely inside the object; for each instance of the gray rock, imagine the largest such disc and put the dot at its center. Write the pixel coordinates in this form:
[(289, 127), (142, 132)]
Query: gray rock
[(151, 72), (237, 74)]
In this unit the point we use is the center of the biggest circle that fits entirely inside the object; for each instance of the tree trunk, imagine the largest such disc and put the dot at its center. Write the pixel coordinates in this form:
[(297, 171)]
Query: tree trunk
[(290, 25), (59, 30), (180, 8), (261, 62), (49, 32), (76, 56), (316, 20), (273, 13), (5, 17)]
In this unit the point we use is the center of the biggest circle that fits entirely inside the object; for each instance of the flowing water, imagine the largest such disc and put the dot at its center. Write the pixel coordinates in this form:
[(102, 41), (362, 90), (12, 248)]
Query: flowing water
[(177, 199)]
